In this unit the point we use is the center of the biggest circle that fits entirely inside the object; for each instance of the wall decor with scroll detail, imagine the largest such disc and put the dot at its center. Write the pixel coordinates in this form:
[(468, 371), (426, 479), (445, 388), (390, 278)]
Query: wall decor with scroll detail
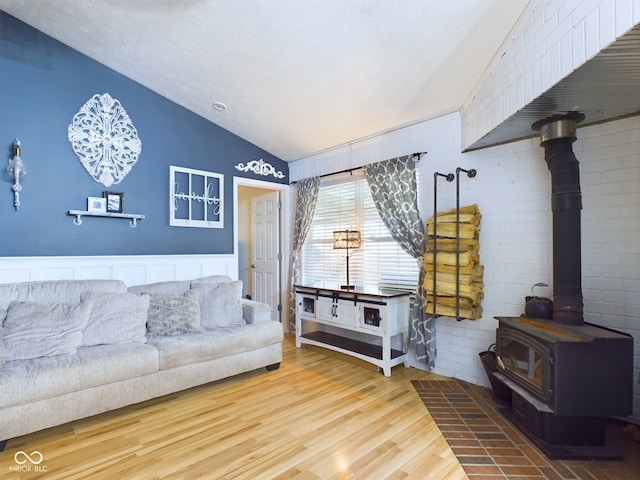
[(104, 139), (260, 167), (195, 198)]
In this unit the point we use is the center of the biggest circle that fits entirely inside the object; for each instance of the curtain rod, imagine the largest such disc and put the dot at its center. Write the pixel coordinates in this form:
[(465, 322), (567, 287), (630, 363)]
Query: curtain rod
[(351, 170)]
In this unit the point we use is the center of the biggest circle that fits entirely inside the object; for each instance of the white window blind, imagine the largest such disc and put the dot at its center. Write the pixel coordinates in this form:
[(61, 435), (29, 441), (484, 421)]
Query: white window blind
[(344, 202)]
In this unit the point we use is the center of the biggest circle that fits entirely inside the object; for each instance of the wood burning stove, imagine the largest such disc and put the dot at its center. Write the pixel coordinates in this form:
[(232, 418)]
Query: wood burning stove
[(566, 376), (565, 381)]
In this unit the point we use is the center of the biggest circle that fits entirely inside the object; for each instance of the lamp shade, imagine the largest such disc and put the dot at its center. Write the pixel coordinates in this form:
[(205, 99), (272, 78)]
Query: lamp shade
[(346, 239)]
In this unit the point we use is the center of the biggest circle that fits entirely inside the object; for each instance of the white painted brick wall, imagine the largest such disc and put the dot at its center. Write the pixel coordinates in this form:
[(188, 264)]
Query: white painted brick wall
[(550, 40), (609, 156), (513, 189)]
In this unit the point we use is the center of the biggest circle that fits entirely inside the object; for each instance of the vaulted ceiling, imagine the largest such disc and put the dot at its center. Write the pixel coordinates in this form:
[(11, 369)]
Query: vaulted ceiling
[(297, 76)]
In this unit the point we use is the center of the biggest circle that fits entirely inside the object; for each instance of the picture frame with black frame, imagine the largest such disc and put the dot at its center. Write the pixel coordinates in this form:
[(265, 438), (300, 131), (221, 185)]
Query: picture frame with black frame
[(115, 201)]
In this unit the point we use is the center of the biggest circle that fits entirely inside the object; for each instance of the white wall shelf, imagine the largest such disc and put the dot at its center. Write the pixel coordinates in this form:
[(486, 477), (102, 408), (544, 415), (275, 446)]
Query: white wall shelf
[(133, 217)]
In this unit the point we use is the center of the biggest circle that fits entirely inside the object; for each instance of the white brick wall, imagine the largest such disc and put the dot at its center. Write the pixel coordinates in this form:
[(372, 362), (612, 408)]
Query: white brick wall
[(550, 40), (609, 156), (512, 189)]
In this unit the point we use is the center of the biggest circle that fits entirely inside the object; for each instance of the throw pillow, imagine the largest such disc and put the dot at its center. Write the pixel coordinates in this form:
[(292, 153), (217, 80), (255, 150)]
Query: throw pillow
[(115, 318), (173, 314), (3, 314), (33, 330), (220, 304)]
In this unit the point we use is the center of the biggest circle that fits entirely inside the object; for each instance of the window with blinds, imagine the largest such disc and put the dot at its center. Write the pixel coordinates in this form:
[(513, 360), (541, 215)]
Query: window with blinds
[(344, 202)]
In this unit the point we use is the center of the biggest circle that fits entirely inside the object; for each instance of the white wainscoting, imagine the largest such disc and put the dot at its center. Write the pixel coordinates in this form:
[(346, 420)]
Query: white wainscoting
[(131, 269)]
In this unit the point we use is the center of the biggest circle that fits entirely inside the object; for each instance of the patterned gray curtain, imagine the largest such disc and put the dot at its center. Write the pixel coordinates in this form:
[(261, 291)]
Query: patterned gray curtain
[(307, 197), (395, 193)]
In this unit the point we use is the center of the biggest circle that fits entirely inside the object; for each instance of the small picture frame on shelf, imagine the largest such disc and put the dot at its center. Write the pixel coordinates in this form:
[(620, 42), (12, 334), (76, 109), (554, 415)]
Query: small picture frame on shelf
[(115, 201), (96, 204)]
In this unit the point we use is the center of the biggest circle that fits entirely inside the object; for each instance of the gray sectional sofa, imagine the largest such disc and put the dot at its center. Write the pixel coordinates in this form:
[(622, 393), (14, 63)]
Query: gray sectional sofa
[(75, 348)]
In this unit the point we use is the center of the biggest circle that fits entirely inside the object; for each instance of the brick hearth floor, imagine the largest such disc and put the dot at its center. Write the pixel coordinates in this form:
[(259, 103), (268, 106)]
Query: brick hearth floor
[(489, 447)]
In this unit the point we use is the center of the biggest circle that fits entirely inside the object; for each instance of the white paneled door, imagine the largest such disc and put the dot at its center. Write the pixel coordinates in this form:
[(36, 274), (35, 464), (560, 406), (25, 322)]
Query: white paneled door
[(265, 252)]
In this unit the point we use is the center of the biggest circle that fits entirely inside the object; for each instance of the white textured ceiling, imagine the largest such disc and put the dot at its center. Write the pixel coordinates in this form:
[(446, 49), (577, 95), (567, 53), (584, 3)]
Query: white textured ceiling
[(298, 76)]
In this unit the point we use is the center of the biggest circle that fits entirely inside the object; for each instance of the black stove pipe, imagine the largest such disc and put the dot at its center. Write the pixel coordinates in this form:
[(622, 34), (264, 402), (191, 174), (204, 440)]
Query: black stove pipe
[(557, 133)]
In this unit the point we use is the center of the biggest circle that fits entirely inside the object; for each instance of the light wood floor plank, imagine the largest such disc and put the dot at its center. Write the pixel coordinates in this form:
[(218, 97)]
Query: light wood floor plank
[(320, 416)]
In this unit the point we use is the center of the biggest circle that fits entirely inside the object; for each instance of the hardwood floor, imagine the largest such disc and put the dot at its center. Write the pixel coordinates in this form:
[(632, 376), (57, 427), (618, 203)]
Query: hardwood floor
[(320, 416)]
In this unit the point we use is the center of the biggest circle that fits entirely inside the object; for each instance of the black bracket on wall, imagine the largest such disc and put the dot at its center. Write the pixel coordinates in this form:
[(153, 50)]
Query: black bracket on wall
[(471, 174), (449, 177)]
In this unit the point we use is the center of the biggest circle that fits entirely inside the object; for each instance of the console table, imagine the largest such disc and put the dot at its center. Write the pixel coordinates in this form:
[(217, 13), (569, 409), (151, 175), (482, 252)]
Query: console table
[(363, 323)]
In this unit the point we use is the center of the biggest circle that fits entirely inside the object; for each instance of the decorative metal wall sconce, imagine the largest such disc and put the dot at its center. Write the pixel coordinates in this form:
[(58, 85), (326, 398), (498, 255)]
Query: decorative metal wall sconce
[(16, 169)]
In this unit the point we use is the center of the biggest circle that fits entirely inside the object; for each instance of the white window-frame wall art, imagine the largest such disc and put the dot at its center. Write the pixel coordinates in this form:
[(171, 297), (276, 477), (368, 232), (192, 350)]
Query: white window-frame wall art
[(196, 198)]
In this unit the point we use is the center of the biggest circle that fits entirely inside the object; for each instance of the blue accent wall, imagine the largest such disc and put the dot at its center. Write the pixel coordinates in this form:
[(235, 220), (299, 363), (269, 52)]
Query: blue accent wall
[(43, 84)]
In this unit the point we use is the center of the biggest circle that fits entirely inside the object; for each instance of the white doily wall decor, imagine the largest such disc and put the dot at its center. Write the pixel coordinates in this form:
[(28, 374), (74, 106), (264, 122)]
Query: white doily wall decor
[(104, 139)]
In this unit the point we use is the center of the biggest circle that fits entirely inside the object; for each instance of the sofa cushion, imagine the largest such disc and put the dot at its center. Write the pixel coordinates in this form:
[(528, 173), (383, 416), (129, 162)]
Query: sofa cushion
[(55, 291), (219, 304), (254, 312), (173, 314), (213, 279), (33, 330), (115, 318), (25, 381), (175, 286), (211, 344), (3, 314)]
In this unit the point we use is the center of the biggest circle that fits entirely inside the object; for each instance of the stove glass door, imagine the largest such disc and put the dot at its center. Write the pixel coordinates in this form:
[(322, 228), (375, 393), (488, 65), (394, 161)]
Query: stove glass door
[(525, 360)]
